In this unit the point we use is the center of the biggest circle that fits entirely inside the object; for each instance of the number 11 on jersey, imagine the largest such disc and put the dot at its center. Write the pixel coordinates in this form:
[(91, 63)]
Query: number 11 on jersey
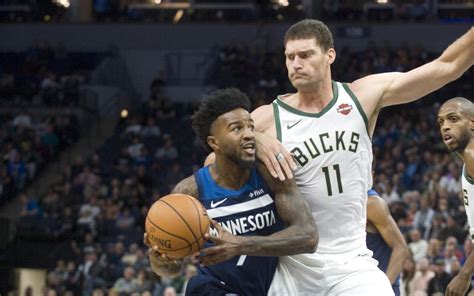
[(327, 175)]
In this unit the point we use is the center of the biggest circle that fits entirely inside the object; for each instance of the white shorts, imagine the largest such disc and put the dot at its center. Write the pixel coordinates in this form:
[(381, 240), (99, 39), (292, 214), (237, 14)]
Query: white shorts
[(314, 274)]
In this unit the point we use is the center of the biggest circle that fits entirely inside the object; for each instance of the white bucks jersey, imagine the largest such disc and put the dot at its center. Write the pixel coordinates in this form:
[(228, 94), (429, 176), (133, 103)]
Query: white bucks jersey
[(468, 198), (333, 152)]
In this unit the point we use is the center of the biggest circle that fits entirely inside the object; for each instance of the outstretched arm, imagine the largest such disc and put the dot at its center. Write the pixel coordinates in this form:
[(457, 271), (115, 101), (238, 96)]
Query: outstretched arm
[(160, 264), (381, 90), (299, 236), (379, 215)]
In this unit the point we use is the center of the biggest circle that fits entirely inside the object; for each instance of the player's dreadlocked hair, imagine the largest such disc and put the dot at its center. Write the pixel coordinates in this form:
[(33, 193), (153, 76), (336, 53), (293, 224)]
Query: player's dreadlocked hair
[(214, 105)]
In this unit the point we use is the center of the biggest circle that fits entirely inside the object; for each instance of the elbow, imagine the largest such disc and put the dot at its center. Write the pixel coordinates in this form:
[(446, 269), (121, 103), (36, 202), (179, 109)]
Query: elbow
[(311, 240), (405, 251)]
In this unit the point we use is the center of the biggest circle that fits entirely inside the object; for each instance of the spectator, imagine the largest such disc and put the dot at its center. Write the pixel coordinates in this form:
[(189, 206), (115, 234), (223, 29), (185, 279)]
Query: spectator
[(440, 281), (422, 277), (168, 151), (126, 284), (423, 217), (418, 246)]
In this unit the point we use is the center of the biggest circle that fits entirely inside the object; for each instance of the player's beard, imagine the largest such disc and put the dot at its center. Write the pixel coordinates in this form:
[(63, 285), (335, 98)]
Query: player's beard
[(463, 141), (236, 158)]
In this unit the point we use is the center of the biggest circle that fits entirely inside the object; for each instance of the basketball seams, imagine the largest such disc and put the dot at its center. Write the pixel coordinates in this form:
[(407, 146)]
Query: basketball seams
[(182, 218), (175, 208), (169, 233), (197, 214)]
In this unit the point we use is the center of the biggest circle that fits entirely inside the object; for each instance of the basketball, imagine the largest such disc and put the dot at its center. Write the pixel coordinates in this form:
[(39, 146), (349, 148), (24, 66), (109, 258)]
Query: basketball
[(176, 223)]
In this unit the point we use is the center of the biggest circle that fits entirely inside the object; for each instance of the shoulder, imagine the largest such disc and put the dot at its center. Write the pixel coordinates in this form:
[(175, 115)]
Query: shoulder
[(263, 117), (187, 186), (376, 208)]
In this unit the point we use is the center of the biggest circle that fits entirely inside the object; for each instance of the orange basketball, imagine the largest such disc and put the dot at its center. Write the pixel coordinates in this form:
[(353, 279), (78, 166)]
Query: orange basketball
[(176, 223)]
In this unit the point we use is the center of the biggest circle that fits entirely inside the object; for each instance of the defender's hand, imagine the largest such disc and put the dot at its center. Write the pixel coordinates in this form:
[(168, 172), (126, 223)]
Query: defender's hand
[(276, 158)]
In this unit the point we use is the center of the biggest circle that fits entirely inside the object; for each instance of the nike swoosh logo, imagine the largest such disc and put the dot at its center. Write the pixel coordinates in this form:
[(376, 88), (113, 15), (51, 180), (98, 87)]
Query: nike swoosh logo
[(288, 126), (213, 205)]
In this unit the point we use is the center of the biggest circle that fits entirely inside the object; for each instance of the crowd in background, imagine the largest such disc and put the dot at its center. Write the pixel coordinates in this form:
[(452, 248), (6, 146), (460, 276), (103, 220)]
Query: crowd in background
[(28, 142), (95, 211), (44, 75)]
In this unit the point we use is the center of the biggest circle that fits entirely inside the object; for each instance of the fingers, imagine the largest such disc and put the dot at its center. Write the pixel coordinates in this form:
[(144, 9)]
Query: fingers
[(269, 161), (146, 241), (212, 255), (287, 164)]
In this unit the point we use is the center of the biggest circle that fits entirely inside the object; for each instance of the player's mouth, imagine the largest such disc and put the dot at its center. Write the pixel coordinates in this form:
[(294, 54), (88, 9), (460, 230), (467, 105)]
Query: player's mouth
[(249, 147), (447, 139)]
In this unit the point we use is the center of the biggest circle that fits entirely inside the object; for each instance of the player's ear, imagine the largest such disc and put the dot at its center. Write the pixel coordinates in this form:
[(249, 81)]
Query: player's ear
[(331, 55), (213, 143), (471, 124)]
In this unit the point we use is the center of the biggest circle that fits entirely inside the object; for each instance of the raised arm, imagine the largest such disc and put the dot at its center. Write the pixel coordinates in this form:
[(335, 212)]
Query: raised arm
[(380, 90), (379, 215), (160, 264), (299, 236)]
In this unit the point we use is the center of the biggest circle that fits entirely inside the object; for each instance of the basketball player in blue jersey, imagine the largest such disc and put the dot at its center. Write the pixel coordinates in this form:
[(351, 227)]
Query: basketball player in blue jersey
[(255, 217), (327, 127), (385, 240), (456, 123)]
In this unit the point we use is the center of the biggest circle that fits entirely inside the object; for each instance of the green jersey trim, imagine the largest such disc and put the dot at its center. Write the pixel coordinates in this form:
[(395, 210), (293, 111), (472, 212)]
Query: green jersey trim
[(276, 115), (468, 179), (359, 106), (307, 114)]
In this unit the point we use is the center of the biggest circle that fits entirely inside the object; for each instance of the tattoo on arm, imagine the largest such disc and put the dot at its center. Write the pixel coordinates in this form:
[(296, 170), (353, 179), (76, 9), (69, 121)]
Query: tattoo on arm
[(187, 186)]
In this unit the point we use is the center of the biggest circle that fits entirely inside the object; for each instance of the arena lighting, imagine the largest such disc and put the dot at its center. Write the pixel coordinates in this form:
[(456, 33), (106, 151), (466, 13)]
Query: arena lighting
[(64, 3), (283, 3), (157, 1), (177, 17), (382, 1), (124, 113)]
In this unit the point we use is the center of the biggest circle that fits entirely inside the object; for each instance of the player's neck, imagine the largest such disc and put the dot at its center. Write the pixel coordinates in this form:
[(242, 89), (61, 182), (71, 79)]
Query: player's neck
[(228, 174), (468, 152), (316, 99)]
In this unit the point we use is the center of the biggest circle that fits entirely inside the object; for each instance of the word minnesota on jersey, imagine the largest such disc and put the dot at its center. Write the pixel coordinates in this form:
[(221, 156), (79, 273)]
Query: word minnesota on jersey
[(248, 223)]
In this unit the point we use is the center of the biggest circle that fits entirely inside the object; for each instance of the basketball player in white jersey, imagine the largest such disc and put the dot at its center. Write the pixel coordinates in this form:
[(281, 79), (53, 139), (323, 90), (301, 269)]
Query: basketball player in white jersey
[(456, 123), (327, 126)]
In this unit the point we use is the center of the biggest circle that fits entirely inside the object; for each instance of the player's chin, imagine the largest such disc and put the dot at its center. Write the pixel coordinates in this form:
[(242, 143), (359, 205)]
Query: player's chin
[(451, 145), (248, 160)]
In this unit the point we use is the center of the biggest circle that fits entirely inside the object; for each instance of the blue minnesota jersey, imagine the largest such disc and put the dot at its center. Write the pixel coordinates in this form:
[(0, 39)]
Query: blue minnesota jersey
[(381, 250), (248, 211)]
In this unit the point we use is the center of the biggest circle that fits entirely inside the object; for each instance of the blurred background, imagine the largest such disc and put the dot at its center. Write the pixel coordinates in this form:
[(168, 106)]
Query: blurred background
[(95, 105)]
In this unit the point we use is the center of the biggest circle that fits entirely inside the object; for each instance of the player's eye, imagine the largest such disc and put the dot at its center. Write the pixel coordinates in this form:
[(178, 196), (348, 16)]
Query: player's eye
[(236, 129)]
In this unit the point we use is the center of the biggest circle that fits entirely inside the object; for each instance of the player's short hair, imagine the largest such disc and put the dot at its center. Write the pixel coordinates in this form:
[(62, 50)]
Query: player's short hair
[(465, 106), (308, 29), (214, 105)]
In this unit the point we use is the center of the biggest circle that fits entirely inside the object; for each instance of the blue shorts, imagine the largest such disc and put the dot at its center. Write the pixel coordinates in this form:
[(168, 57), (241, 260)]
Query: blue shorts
[(207, 285)]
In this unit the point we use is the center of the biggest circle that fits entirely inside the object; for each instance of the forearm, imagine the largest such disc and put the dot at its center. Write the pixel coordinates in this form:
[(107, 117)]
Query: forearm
[(290, 241), (468, 268), (460, 54), (395, 265), (165, 269)]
